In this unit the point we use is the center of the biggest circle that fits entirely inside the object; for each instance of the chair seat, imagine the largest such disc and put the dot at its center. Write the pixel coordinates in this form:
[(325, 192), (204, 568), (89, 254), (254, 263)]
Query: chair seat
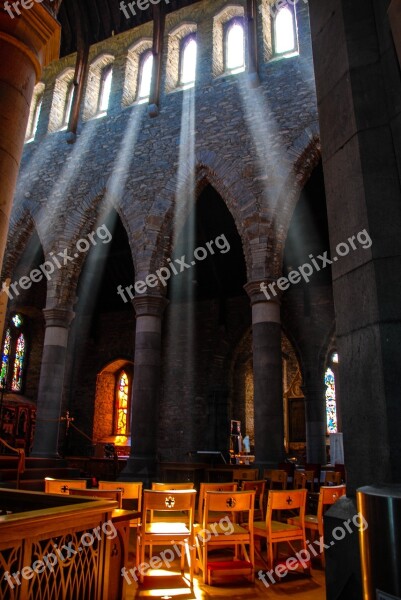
[(166, 528), (311, 521), (275, 525)]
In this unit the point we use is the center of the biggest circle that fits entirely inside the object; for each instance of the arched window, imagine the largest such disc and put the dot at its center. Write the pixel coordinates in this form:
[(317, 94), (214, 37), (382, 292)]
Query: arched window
[(105, 88), (331, 405), (235, 45), (189, 50), (34, 112), (68, 104), (13, 359), (145, 75), (284, 31), (122, 405)]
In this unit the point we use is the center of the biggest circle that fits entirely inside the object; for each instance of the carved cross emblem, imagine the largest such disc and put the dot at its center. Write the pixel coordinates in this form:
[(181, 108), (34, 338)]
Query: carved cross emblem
[(231, 502), (65, 489), (170, 502), (289, 500)]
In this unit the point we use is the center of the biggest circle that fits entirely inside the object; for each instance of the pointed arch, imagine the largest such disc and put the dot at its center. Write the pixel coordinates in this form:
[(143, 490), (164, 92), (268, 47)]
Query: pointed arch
[(225, 179)]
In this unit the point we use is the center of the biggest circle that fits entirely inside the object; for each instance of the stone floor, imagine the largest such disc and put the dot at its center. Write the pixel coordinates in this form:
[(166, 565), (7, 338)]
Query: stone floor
[(166, 584)]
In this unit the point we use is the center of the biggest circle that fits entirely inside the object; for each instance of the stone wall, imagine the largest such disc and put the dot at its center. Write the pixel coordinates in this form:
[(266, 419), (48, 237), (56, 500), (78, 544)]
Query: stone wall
[(255, 146)]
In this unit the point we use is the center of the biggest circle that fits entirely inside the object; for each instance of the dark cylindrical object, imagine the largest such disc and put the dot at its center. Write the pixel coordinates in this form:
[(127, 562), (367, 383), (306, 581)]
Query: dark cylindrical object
[(380, 538)]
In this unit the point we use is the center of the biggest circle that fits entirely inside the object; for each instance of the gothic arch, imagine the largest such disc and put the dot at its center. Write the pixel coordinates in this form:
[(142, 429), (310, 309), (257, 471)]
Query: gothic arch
[(227, 181)]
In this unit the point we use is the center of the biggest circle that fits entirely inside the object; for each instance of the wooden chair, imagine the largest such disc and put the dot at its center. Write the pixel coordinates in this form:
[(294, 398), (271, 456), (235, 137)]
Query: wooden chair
[(328, 495), (278, 479), (131, 494), (259, 487), (314, 480), (216, 535), (299, 480), (62, 486), (332, 478), (172, 486), (246, 475), (115, 495), (310, 480), (167, 532), (276, 532), (212, 487)]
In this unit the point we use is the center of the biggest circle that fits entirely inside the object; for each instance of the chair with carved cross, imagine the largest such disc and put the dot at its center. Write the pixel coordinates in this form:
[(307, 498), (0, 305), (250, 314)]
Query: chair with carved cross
[(167, 533), (212, 487), (131, 495), (328, 495), (277, 532), (62, 486), (278, 479), (225, 532)]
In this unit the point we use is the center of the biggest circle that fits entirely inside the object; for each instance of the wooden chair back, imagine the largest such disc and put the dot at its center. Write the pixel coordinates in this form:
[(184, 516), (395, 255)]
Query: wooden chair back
[(259, 487), (115, 495), (168, 501), (328, 495), (228, 503), (131, 495), (212, 487), (62, 486), (332, 478), (187, 485), (278, 479), (299, 480)]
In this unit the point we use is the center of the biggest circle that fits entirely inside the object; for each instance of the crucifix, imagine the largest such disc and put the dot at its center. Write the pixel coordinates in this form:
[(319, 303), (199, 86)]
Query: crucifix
[(68, 420)]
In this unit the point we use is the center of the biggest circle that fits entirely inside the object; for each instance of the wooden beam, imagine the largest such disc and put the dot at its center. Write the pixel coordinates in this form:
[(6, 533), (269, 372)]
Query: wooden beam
[(252, 34), (81, 71), (159, 22)]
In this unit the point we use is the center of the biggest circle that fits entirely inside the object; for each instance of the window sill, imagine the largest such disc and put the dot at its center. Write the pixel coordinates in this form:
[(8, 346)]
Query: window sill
[(181, 88), (277, 57)]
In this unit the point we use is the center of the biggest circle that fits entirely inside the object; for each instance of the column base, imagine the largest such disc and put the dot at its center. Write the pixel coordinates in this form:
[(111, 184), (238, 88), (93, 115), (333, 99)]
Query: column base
[(54, 455), (343, 565)]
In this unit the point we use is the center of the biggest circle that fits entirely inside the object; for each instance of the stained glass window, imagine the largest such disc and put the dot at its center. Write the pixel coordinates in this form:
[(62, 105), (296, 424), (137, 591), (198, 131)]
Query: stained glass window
[(284, 30), (13, 356), (5, 357), (122, 405), (331, 408), (18, 370), (17, 320), (235, 46)]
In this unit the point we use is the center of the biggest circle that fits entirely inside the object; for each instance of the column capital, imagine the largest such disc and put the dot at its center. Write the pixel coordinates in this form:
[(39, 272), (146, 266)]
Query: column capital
[(58, 317), (149, 306), (256, 295), (34, 32)]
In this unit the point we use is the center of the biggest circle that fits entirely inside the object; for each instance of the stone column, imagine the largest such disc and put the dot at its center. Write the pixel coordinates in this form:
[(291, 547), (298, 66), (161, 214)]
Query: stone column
[(51, 382), (315, 420), (394, 14), (267, 375), (28, 42), (146, 388)]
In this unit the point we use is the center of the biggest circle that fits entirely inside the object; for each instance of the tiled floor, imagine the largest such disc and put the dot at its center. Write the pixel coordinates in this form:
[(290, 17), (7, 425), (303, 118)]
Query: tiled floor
[(169, 585)]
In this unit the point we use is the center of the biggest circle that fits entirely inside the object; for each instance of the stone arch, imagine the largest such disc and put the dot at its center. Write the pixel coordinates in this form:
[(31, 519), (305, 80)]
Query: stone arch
[(22, 227), (226, 180), (306, 154), (86, 216)]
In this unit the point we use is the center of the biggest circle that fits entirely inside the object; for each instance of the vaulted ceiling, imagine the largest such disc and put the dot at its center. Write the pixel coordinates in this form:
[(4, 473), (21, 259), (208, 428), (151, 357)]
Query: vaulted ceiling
[(100, 19)]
